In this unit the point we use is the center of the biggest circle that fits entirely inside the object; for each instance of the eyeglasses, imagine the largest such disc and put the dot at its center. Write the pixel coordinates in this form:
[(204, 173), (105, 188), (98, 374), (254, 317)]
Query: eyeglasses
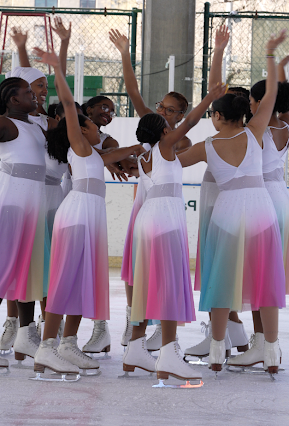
[(168, 111), (105, 108), (210, 113)]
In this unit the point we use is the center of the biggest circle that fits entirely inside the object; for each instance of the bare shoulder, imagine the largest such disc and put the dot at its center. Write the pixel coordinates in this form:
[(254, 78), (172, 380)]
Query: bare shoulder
[(184, 143), (8, 130), (110, 143)]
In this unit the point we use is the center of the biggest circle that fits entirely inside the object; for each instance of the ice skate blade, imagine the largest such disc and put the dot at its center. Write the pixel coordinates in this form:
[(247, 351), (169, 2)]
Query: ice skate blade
[(188, 385), (63, 378), (248, 369), (4, 352), (127, 376), (199, 362)]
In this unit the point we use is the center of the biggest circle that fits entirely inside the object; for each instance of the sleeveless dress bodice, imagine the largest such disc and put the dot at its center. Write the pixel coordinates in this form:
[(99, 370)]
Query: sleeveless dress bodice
[(103, 136), (273, 160)]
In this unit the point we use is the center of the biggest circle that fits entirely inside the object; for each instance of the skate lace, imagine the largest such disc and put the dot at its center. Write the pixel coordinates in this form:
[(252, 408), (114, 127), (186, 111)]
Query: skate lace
[(145, 349), (177, 351), (8, 328), (78, 352), (205, 328), (33, 336), (98, 332), (128, 326), (157, 332), (252, 341)]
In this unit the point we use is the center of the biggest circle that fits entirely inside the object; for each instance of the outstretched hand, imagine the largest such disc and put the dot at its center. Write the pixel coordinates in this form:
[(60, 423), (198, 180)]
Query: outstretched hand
[(274, 42), (18, 37), (120, 41), (218, 90), (222, 37), (49, 58), (60, 29)]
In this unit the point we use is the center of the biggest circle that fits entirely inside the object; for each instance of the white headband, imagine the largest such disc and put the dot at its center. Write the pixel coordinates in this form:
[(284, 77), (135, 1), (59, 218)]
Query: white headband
[(26, 73)]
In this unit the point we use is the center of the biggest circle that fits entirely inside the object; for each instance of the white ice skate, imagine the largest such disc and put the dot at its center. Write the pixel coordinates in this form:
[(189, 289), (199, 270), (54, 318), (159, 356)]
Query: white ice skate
[(154, 343), (47, 356), (4, 365), (272, 357), (8, 337), (253, 356), (61, 329), (137, 356), (69, 350), (126, 336), (26, 343), (238, 336), (170, 363), (99, 341), (202, 349), (217, 355)]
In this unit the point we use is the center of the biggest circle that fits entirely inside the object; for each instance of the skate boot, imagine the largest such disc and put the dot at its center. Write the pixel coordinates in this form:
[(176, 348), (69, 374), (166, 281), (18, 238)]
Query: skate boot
[(272, 357), (26, 343), (154, 343), (61, 329), (4, 365), (39, 325), (47, 356), (69, 350), (9, 334), (238, 336), (253, 356), (217, 354), (203, 349), (170, 363), (137, 356), (128, 328), (100, 339)]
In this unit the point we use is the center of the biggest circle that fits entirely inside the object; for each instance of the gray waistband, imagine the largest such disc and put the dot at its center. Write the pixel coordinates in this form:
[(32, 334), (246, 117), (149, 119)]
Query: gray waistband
[(276, 175), (243, 182), (208, 177), (53, 181), (165, 190), (24, 171), (90, 186)]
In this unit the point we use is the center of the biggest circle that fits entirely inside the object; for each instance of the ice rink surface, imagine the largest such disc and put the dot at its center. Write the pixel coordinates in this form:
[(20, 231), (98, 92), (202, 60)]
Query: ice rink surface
[(232, 398)]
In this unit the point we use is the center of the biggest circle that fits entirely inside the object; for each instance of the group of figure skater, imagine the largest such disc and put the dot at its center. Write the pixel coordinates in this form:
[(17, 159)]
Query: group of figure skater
[(53, 220)]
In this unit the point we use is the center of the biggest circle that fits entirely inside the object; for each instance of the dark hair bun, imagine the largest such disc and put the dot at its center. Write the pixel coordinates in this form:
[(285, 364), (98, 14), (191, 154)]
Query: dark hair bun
[(232, 107), (150, 128), (240, 105)]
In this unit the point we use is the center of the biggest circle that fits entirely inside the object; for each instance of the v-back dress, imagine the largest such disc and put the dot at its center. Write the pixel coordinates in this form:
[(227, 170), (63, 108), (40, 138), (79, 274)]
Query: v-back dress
[(160, 255), (273, 172), (243, 264), (79, 282), (22, 213)]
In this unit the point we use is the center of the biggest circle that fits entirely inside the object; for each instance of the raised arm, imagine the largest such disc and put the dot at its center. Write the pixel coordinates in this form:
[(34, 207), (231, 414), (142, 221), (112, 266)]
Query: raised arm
[(221, 41), (193, 155), (64, 35), (260, 120), (122, 44), (20, 40), (77, 141)]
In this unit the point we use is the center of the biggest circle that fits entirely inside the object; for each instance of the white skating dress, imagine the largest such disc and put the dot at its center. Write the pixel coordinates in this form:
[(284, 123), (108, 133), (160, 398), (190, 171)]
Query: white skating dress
[(22, 213), (273, 172), (103, 136), (208, 195), (78, 282), (243, 264), (161, 269), (54, 197)]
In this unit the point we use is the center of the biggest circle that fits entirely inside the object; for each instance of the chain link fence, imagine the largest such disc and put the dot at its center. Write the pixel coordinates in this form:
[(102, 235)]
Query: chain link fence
[(90, 36), (244, 57)]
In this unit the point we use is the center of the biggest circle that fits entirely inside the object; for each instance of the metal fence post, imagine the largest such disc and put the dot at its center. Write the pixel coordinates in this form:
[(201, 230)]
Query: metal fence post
[(171, 73), (205, 50), (133, 50)]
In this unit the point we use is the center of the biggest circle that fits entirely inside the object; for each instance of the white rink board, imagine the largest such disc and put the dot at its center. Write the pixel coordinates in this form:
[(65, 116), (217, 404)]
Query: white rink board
[(119, 202), (123, 130)]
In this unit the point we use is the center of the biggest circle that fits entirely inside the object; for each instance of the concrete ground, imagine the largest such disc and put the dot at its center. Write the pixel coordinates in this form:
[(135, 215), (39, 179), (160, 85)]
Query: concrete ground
[(235, 399)]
